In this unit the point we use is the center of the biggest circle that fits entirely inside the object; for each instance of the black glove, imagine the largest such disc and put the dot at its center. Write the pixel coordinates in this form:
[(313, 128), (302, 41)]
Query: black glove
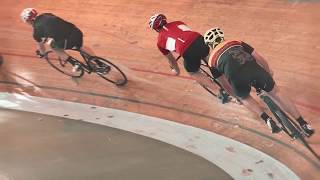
[(223, 96), (38, 53)]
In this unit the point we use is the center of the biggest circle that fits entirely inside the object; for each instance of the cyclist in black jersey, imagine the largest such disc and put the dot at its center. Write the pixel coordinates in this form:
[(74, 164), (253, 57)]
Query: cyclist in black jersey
[(238, 67), (59, 33)]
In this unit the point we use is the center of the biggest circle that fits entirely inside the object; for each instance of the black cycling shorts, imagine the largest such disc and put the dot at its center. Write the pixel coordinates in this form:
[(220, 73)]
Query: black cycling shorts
[(74, 40), (193, 55), (250, 74)]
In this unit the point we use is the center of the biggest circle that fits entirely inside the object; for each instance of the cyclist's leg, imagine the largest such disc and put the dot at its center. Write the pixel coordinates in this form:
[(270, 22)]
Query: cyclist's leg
[(226, 85), (192, 66), (97, 65), (202, 79), (241, 86), (58, 48), (284, 102), (75, 40), (265, 81), (192, 61)]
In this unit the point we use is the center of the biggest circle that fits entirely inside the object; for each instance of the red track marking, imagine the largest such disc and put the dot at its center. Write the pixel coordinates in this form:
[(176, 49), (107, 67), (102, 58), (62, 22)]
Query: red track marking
[(308, 106)]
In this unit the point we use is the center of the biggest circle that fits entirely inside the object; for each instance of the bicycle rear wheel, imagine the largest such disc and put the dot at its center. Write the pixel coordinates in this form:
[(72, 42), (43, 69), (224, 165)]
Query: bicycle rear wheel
[(65, 68), (289, 127), (113, 74)]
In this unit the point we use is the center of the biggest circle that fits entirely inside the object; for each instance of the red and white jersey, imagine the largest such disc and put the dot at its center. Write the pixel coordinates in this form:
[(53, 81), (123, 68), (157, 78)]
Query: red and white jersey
[(175, 37)]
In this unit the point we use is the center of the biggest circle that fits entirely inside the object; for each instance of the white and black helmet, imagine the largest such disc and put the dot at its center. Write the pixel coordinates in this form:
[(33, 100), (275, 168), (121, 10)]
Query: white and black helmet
[(28, 14), (213, 37)]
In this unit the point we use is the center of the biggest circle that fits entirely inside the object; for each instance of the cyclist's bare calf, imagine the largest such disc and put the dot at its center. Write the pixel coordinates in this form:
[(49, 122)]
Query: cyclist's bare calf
[(284, 102)]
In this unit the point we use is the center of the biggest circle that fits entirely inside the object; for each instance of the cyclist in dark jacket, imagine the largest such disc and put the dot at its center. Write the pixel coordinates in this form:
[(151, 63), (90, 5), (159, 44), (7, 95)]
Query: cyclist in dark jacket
[(243, 68)]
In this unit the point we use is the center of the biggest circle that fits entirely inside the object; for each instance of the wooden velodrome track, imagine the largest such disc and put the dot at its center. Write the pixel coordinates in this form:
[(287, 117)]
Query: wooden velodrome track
[(285, 32)]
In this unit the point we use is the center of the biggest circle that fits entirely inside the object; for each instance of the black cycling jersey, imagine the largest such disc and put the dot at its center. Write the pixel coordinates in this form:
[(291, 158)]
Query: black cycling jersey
[(48, 25), (233, 58)]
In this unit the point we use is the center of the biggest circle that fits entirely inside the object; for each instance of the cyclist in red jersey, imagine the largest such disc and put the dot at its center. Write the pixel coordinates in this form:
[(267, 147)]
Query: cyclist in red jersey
[(177, 37), (243, 67)]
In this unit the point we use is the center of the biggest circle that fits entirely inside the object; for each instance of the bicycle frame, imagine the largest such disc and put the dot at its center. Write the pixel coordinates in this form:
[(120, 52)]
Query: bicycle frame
[(205, 64), (290, 127), (279, 114), (86, 56), (275, 109)]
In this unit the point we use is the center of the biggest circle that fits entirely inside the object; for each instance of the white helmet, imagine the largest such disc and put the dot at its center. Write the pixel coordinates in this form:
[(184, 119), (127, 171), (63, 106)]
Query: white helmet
[(157, 21), (213, 37), (28, 14)]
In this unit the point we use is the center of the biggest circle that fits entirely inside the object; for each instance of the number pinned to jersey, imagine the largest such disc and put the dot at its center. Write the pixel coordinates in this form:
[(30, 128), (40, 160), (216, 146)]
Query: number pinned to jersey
[(171, 44)]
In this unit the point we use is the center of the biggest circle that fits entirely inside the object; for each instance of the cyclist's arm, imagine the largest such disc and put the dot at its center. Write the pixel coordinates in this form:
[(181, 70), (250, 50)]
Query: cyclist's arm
[(173, 63), (223, 81), (37, 36), (226, 85), (171, 59)]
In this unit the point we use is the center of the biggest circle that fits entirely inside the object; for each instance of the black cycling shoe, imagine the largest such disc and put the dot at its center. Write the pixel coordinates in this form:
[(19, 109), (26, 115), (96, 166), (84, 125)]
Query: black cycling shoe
[(273, 126), (307, 129)]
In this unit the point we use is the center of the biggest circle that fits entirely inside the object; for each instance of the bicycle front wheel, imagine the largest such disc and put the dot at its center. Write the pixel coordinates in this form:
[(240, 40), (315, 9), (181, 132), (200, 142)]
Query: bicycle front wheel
[(63, 67), (297, 132), (108, 71)]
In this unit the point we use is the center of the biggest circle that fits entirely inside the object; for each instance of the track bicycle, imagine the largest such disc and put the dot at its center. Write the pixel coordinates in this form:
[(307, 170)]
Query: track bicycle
[(92, 64), (287, 124)]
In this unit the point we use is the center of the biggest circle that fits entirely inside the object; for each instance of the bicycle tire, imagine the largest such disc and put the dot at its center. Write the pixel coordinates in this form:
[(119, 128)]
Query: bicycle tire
[(56, 64), (288, 124), (115, 75), (300, 137)]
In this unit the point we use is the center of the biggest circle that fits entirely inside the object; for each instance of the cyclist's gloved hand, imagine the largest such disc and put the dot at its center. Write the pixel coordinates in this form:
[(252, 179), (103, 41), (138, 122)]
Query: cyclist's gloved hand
[(39, 54)]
